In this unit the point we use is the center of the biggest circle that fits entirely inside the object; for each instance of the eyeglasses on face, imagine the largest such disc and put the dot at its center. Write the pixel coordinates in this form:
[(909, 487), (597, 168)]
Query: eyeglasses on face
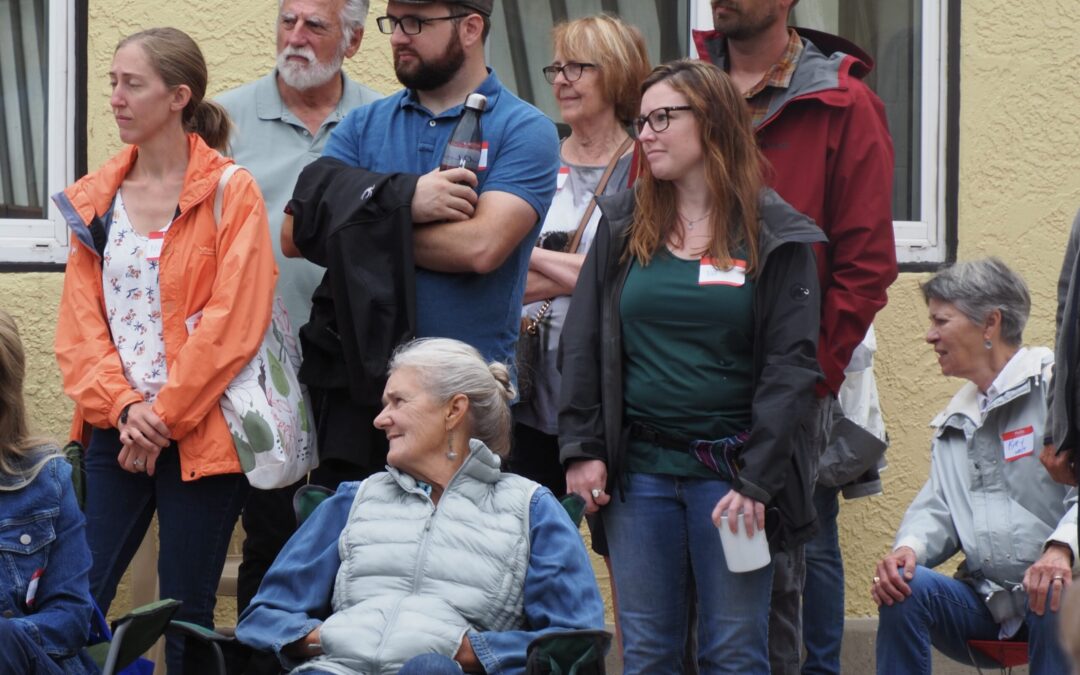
[(571, 71), (658, 119), (410, 25)]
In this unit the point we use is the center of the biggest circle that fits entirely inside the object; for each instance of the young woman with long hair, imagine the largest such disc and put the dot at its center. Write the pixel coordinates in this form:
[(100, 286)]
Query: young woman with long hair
[(689, 361)]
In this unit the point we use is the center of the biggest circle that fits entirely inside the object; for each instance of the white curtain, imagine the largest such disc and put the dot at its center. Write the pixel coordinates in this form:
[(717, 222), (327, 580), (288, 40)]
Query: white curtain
[(23, 82)]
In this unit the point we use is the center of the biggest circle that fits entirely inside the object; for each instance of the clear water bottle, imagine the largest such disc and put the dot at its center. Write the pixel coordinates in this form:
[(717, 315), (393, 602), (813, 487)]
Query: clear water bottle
[(466, 143)]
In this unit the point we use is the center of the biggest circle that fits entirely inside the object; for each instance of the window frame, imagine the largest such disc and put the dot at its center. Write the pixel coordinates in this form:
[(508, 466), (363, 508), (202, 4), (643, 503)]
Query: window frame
[(923, 244), (44, 241)]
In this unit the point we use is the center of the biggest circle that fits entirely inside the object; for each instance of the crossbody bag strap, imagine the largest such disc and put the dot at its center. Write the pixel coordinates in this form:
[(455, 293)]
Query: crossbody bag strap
[(576, 240), (600, 187), (220, 193)]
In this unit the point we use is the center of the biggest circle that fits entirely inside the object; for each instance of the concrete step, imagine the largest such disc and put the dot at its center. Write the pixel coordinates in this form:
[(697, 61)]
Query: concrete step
[(857, 655)]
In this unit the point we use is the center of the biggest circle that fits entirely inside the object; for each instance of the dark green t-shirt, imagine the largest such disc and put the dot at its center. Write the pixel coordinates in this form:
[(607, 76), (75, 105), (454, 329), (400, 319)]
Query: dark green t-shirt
[(688, 332)]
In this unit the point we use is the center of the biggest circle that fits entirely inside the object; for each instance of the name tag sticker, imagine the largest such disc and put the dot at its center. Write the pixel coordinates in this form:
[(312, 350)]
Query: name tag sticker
[(483, 156), (564, 173), (153, 246), (1018, 443), (732, 276)]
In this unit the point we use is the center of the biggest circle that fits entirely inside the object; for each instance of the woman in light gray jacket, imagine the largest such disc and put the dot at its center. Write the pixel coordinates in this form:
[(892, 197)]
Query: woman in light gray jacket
[(987, 494)]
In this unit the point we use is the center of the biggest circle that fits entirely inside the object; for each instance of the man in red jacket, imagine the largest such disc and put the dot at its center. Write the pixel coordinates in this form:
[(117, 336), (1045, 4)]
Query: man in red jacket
[(825, 135)]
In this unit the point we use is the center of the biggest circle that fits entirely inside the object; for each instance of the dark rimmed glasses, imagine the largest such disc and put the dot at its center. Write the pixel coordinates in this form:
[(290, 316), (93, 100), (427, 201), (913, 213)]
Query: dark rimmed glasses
[(571, 71), (658, 120), (410, 25)]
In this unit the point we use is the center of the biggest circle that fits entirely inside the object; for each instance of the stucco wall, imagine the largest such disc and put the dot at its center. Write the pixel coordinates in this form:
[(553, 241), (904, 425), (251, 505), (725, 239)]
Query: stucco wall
[(1019, 185)]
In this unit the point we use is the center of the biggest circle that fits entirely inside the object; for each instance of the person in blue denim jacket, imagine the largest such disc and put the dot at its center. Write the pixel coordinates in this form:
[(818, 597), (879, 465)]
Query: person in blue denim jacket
[(441, 564), (45, 604)]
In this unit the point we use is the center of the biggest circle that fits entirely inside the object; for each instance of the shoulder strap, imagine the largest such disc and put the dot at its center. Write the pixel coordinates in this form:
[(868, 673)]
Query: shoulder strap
[(220, 193), (600, 187), (532, 324)]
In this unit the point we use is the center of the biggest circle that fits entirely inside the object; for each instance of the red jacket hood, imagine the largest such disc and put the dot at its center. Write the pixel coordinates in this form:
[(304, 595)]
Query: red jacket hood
[(860, 64)]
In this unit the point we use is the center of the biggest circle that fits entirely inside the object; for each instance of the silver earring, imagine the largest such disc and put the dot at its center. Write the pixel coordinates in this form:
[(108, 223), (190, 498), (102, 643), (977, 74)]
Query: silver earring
[(988, 344), (451, 454)]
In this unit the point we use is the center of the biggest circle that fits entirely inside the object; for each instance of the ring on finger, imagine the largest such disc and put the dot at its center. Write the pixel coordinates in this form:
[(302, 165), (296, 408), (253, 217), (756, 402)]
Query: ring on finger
[(136, 463), (596, 492), (877, 580), (1058, 577)]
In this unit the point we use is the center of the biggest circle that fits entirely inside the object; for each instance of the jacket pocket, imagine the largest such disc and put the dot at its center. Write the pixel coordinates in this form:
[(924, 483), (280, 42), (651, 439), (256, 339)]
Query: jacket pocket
[(24, 549)]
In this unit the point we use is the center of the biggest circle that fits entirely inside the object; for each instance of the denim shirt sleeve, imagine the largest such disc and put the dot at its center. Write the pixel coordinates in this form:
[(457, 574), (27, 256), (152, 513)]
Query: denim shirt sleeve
[(560, 589), (60, 621), (294, 598)]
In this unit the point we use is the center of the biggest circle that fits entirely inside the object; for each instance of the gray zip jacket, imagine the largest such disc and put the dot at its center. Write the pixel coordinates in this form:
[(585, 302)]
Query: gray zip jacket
[(988, 495), (778, 455)]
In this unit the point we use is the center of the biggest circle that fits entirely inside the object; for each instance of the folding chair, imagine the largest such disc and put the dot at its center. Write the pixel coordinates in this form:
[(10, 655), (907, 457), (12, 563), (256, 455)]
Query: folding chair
[(1005, 654), (131, 635)]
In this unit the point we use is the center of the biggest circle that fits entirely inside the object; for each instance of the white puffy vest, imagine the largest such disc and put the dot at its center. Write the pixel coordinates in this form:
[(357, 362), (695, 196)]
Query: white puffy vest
[(414, 579)]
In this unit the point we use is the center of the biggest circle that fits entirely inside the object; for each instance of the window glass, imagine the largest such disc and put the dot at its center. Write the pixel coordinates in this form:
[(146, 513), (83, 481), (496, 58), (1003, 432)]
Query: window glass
[(24, 50), (520, 40), (891, 33)]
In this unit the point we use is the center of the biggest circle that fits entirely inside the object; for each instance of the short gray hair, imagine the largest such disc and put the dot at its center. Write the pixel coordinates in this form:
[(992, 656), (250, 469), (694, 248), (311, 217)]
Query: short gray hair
[(977, 288), (352, 15), (450, 367)]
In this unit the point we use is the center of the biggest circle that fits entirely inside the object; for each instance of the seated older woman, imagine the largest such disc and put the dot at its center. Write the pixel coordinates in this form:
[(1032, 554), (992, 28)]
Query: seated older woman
[(443, 557), (987, 494)]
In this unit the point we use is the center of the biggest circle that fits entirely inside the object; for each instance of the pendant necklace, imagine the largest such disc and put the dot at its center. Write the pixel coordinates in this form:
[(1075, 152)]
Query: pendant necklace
[(691, 222)]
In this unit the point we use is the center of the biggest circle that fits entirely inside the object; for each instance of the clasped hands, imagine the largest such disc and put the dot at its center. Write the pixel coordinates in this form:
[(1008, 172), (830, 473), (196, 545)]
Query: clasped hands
[(1054, 567), (143, 436)]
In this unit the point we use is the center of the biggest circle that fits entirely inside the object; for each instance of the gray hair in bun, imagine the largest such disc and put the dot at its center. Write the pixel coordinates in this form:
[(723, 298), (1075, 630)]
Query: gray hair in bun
[(450, 367)]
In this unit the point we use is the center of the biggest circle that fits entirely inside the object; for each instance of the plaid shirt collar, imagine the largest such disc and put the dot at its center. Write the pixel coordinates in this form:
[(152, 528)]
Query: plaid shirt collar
[(778, 76)]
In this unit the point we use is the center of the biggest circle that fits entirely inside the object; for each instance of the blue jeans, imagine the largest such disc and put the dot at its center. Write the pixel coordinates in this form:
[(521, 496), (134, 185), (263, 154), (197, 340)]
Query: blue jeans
[(430, 664), (195, 522), (946, 613), (661, 532), (823, 592), (19, 653)]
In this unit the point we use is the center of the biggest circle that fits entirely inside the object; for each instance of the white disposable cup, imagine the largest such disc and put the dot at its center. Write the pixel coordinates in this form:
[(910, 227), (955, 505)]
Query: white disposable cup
[(743, 553)]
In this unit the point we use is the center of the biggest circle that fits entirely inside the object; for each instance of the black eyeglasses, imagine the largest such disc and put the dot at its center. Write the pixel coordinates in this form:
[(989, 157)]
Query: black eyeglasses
[(410, 25), (658, 119), (571, 70)]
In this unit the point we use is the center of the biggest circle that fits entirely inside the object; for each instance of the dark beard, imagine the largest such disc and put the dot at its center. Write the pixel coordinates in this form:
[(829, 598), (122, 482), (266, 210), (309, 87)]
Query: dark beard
[(434, 74), (744, 28)]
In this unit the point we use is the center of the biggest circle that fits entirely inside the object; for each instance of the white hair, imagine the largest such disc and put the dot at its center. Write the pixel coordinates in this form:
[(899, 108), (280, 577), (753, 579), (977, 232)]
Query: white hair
[(450, 367)]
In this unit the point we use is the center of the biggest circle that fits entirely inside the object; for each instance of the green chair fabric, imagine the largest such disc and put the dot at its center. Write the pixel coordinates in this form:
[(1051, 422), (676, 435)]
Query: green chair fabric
[(578, 652), (76, 457), (132, 635), (306, 498)]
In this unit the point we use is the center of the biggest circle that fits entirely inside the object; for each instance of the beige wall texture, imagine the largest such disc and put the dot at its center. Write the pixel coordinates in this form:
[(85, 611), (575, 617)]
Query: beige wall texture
[(1019, 187)]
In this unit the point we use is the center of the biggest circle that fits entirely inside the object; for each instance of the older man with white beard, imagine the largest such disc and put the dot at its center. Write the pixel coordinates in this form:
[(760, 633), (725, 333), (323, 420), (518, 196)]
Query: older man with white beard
[(282, 123)]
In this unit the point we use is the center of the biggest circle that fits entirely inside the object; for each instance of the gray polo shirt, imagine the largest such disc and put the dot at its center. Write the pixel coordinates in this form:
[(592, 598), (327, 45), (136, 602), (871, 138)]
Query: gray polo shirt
[(273, 144)]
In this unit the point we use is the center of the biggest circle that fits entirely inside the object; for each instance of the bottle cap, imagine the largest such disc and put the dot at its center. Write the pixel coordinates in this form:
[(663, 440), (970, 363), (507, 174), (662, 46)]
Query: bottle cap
[(476, 102)]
